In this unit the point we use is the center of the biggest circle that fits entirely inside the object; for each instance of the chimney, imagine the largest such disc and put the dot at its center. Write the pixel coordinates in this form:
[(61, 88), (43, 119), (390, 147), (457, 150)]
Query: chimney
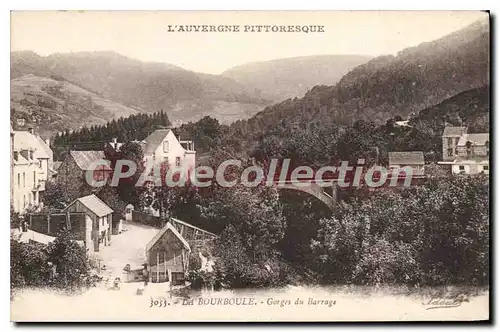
[(30, 130)]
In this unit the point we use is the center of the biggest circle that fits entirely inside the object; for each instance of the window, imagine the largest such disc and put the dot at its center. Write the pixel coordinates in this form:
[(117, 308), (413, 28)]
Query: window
[(24, 180), (19, 180), (34, 179), (165, 146), (462, 168), (165, 159), (40, 163), (24, 200), (486, 168), (177, 161), (102, 221), (450, 141), (450, 152), (30, 198)]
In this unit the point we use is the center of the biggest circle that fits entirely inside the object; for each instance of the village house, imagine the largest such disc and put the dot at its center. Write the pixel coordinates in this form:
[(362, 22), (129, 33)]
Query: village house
[(413, 159), (465, 153), (101, 217), (71, 173), (162, 146), (450, 138), (168, 253), (168, 256), (31, 163)]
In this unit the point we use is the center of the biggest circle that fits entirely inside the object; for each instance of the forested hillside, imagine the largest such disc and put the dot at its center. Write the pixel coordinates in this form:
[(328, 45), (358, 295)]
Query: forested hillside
[(291, 77), (135, 127), (53, 105), (388, 86), (143, 86)]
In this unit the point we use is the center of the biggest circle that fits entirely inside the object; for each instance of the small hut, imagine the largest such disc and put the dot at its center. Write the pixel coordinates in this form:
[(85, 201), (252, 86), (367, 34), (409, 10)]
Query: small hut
[(168, 256)]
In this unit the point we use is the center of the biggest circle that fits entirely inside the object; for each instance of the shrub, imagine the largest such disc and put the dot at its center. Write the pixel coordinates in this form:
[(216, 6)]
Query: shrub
[(432, 235)]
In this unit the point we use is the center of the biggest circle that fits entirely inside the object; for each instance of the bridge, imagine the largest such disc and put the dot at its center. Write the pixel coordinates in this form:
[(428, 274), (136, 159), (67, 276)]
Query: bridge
[(313, 188), (326, 189)]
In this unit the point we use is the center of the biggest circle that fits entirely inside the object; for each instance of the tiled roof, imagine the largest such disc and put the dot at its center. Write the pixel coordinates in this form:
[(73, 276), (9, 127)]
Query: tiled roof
[(475, 139), (454, 131), (24, 140), (154, 139), (406, 158), (84, 159), (94, 204)]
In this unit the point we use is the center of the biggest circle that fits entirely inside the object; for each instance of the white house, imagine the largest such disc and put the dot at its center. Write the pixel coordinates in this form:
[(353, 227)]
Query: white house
[(32, 167), (465, 153), (162, 146), (475, 165)]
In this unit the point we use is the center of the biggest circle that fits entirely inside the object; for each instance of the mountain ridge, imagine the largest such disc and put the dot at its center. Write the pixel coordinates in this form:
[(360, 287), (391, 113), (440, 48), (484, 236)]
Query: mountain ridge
[(293, 76)]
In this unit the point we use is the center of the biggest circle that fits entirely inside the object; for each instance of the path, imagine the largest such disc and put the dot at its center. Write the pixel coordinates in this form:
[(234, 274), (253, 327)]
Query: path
[(127, 248)]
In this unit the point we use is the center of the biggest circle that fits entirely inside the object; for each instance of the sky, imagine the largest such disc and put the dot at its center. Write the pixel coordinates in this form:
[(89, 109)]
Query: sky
[(143, 35)]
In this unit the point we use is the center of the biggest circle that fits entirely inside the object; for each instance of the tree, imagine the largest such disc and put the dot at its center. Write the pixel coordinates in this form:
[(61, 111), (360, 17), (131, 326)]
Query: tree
[(70, 260), (126, 189), (255, 213), (28, 265), (15, 219), (54, 197), (111, 197), (432, 235)]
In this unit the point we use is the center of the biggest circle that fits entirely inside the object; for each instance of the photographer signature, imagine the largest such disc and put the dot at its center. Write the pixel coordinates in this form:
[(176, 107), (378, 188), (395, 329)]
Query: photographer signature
[(439, 302)]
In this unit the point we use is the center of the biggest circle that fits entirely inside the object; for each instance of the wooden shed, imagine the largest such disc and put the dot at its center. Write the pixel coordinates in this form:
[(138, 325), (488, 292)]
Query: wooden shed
[(168, 256), (101, 215)]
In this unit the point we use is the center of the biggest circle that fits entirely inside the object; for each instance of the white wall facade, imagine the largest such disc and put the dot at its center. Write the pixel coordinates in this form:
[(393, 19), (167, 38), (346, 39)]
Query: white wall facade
[(170, 150), (472, 168), (25, 191)]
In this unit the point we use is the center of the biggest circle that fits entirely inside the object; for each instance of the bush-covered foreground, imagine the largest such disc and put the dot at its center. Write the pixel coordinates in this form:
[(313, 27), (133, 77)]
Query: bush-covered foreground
[(436, 234), (62, 264)]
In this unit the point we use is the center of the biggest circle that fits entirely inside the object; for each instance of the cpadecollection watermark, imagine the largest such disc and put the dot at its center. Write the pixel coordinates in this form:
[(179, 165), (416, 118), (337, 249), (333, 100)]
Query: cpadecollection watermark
[(344, 175)]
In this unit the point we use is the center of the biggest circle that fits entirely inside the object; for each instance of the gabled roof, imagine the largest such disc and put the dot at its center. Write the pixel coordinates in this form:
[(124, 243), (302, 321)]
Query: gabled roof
[(24, 140), (406, 158), (154, 139), (46, 147), (475, 139), (84, 159), (454, 131), (94, 204), (158, 236)]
